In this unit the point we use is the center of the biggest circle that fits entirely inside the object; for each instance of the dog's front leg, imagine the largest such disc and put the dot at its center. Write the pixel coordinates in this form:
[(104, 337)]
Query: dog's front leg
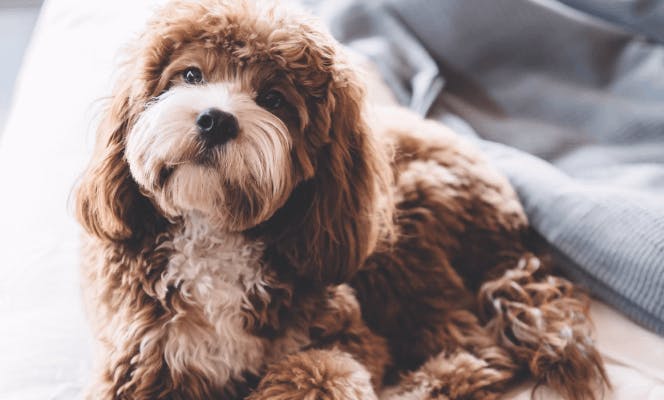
[(346, 360), (340, 325)]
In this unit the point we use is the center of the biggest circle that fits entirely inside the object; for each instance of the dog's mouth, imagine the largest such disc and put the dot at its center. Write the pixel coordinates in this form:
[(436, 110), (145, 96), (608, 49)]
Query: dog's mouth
[(203, 156)]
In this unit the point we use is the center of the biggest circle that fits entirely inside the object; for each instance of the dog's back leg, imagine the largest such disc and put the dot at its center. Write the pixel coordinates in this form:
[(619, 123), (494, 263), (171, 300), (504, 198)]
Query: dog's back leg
[(471, 367), (543, 321)]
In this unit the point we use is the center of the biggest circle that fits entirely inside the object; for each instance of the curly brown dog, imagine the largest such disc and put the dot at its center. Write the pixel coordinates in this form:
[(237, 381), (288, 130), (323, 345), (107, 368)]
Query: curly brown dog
[(252, 232)]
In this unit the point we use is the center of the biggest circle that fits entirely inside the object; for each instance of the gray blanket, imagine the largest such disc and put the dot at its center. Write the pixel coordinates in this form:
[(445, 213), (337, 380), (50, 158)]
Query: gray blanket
[(567, 98)]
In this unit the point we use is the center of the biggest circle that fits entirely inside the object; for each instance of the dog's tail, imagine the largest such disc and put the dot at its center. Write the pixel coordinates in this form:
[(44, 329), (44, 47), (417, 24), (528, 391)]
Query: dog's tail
[(543, 321)]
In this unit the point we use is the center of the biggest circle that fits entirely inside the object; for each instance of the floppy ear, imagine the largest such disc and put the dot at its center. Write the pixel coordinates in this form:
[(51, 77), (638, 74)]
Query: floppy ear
[(344, 217), (334, 219), (108, 202)]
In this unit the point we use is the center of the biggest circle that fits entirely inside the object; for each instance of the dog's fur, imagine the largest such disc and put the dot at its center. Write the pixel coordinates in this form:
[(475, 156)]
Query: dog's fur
[(320, 253)]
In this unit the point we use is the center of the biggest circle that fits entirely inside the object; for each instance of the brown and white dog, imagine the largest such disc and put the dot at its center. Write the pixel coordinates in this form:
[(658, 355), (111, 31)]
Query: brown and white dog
[(250, 233)]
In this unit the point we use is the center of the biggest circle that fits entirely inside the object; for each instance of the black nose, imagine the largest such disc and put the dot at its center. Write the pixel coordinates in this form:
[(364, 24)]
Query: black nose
[(216, 126)]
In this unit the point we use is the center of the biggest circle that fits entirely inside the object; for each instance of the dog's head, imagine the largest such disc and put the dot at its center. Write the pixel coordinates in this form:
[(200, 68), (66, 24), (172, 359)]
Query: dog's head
[(248, 114)]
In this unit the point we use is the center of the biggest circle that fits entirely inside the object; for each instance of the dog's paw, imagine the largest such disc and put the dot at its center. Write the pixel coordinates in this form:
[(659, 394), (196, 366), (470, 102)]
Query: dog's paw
[(456, 376), (316, 374), (544, 322)]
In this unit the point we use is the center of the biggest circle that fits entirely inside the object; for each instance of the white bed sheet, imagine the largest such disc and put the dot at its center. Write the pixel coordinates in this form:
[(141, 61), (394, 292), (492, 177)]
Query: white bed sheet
[(45, 347)]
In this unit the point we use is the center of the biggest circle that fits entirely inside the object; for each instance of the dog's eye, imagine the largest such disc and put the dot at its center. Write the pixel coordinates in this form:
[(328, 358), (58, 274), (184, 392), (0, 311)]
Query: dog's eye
[(192, 75), (270, 100)]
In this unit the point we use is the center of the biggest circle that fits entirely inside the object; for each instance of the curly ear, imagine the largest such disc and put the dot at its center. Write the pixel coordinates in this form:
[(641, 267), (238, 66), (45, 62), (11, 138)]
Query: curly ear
[(333, 221), (108, 202)]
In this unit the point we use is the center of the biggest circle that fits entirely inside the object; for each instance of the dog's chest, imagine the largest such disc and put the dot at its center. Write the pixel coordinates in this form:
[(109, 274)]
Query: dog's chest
[(212, 273)]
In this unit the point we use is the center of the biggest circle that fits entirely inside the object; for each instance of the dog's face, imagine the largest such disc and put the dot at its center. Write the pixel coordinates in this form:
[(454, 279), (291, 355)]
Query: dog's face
[(248, 114), (219, 137)]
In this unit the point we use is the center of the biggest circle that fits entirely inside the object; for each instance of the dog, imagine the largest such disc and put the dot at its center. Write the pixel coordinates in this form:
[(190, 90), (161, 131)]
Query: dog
[(252, 231)]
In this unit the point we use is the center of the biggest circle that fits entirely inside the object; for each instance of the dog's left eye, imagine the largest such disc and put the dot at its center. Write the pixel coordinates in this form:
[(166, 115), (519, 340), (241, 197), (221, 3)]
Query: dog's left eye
[(270, 100), (192, 75)]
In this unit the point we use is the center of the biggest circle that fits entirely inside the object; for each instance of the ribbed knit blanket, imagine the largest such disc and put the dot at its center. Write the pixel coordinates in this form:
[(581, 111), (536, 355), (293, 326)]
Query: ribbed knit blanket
[(566, 97)]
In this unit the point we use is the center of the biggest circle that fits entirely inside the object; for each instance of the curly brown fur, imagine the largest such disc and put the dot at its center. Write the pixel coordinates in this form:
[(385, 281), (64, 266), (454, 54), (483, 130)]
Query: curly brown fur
[(460, 227), (315, 374), (212, 267), (543, 321), (471, 366), (340, 325)]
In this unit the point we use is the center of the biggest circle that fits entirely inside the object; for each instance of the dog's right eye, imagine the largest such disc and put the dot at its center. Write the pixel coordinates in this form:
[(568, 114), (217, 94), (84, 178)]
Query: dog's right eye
[(192, 76)]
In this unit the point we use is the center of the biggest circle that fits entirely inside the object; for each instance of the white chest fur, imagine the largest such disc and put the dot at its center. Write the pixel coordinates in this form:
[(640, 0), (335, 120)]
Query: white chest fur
[(213, 272)]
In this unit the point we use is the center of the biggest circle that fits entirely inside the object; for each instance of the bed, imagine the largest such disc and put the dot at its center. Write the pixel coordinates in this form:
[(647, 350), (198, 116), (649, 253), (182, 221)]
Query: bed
[(45, 345)]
